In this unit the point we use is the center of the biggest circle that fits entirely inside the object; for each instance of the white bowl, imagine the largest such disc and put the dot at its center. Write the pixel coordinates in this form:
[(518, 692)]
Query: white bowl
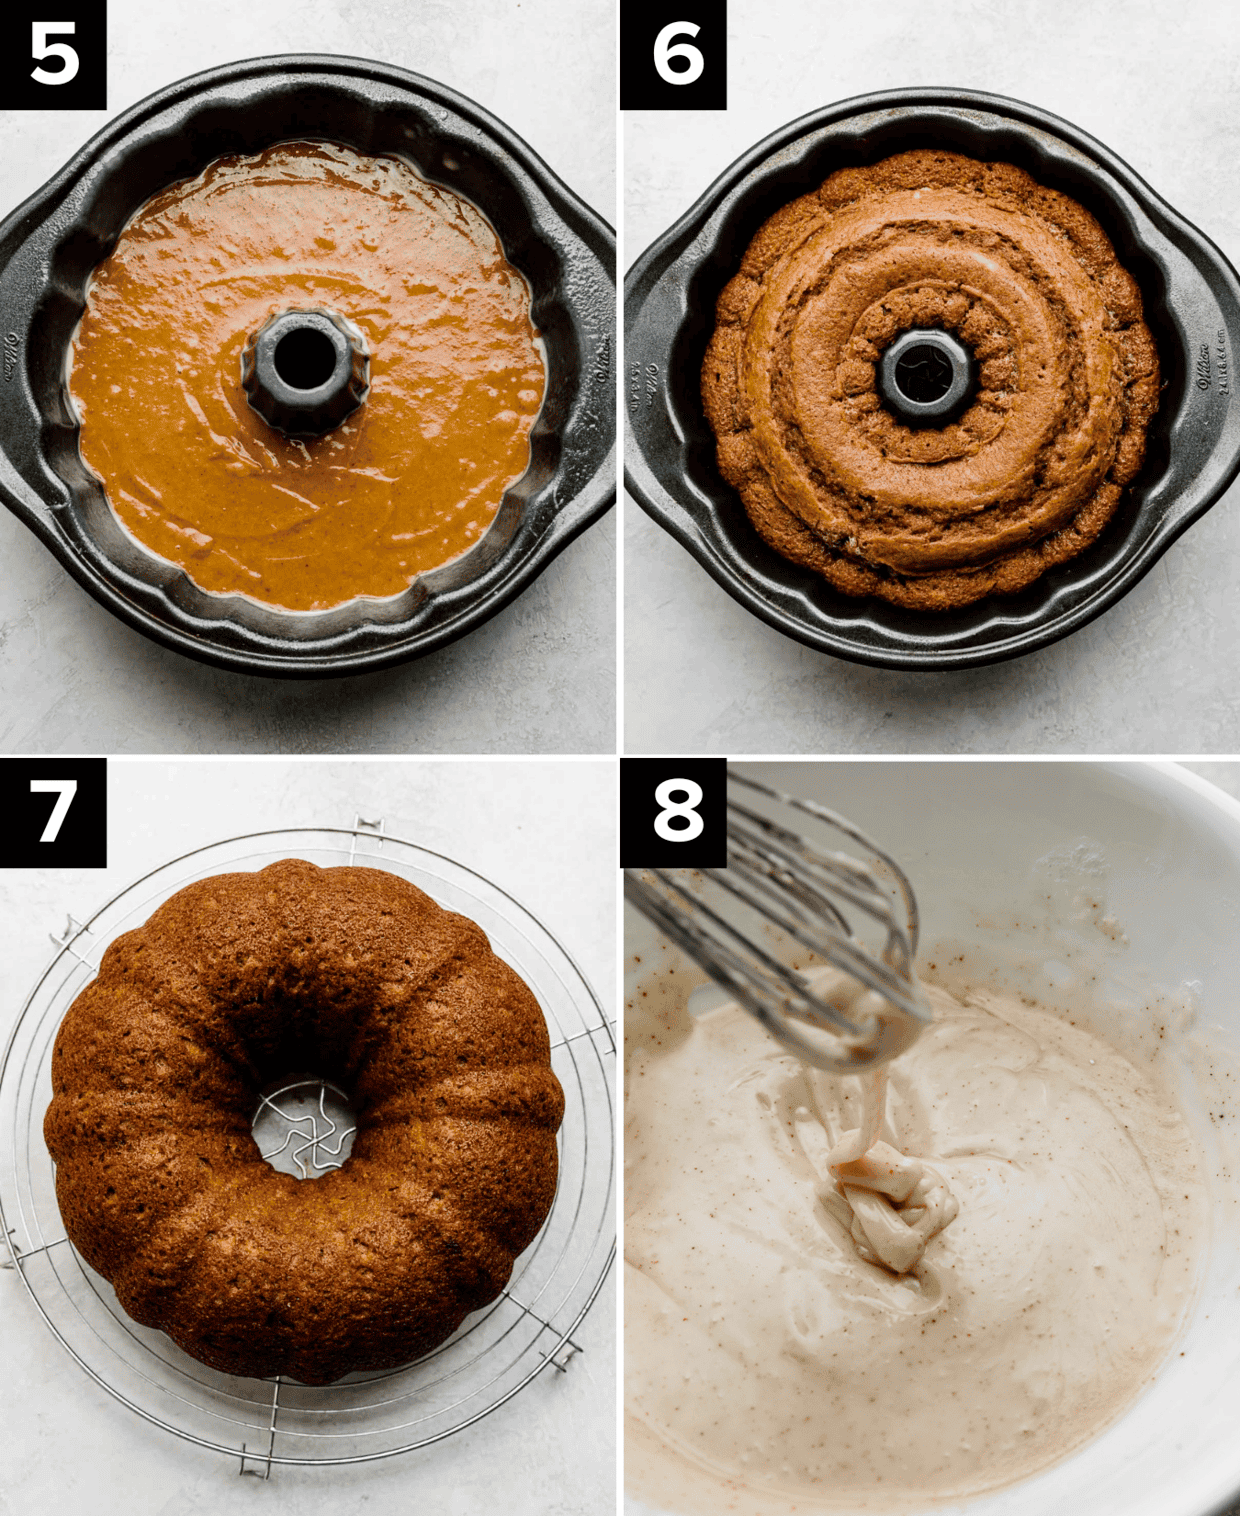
[(1115, 888)]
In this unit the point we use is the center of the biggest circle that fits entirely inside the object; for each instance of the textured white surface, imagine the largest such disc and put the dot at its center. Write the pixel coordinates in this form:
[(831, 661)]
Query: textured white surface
[(542, 831), (1159, 83), (539, 677)]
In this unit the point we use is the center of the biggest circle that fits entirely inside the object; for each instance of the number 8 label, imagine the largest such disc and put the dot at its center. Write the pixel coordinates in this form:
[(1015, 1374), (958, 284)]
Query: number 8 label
[(684, 808)]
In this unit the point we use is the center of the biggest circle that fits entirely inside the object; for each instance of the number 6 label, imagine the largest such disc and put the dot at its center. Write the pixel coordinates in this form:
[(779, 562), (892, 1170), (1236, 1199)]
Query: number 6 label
[(664, 52), (673, 55)]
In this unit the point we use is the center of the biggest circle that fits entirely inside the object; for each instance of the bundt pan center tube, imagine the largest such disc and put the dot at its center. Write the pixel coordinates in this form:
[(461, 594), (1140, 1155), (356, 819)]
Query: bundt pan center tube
[(51, 245), (305, 371), (1189, 292)]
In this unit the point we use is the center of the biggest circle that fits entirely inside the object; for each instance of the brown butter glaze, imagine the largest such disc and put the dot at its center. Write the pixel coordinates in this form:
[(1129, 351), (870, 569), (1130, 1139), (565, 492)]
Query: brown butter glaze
[(408, 482), (774, 1368), (932, 518)]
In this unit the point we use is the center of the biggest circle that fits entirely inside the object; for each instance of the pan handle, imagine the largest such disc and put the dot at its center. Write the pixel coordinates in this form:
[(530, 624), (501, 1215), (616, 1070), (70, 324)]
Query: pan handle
[(586, 483)]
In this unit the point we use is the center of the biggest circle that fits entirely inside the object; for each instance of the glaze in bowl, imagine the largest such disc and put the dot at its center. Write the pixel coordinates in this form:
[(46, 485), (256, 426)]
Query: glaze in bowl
[(1109, 890)]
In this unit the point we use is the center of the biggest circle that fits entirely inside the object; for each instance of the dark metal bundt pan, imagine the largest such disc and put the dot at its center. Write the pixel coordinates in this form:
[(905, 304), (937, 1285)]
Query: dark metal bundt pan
[(1192, 304), (50, 245)]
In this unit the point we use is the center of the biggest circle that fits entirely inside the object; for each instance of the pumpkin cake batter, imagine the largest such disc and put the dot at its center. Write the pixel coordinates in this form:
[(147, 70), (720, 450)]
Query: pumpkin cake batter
[(410, 480), (779, 1356), (932, 517)]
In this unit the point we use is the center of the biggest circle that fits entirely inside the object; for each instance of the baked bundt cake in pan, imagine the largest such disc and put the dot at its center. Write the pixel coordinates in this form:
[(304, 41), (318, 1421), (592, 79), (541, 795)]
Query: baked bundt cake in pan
[(1032, 467), (233, 982)]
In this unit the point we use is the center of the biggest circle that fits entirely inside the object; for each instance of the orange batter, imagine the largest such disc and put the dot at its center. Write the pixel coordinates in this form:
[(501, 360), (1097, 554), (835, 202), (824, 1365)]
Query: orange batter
[(410, 480)]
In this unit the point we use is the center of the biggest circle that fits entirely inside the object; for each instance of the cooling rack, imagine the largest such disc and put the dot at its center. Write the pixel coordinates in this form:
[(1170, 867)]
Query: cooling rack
[(496, 1352)]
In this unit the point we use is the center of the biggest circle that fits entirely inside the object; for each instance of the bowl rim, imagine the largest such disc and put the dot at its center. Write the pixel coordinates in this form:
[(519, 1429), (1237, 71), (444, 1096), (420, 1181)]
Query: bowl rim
[(657, 448), (1163, 779), (585, 244)]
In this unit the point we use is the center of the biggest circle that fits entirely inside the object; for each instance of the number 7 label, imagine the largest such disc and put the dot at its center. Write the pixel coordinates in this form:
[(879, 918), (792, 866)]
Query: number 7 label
[(65, 789), (75, 792)]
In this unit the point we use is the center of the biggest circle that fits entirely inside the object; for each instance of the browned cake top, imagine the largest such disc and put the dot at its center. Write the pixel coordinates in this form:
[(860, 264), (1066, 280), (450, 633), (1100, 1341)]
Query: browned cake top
[(1027, 475), (353, 973)]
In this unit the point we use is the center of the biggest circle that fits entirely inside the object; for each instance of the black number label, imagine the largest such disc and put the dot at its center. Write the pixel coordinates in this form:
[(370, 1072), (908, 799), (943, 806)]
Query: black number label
[(666, 48), (58, 54), (41, 48), (64, 790), (56, 813), (673, 813), (683, 811), (673, 55)]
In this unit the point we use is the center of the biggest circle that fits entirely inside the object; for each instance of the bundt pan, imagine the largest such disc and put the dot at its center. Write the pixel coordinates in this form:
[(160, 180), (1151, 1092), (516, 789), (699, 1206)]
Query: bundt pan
[(1192, 303), (50, 245)]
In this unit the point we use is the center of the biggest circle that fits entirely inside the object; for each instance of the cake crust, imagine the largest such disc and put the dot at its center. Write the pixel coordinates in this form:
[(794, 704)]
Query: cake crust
[(358, 975), (1031, 472)]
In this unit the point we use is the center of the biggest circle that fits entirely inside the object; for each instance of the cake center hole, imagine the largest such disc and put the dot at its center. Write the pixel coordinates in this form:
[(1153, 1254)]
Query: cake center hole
[(305, 358), (926, 376), (304, 1125), (924, 373)]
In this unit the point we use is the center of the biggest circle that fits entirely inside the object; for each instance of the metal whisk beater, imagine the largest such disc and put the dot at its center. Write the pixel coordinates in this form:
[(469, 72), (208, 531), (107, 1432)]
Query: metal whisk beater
[(803, 890)]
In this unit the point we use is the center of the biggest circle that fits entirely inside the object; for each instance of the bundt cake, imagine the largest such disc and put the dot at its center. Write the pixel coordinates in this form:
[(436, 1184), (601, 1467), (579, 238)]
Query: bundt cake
[(1025, 284), (234, 982)]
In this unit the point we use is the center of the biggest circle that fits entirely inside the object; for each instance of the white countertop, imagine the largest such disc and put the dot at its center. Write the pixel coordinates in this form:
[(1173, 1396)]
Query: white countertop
[(1158, 83), (539, 676), (545, 833)]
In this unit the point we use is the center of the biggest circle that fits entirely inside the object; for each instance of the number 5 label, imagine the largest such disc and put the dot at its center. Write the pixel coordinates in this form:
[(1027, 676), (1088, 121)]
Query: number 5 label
[(40, 47), (673, 56), (57, 53)]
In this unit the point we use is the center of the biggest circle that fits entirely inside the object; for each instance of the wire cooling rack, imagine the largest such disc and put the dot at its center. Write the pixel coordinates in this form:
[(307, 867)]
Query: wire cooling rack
[(495, 1353)]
